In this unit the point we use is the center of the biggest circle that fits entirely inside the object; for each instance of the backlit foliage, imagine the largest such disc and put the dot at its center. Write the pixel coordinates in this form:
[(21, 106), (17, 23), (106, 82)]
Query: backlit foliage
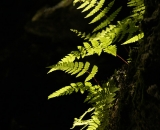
[(101, 39)]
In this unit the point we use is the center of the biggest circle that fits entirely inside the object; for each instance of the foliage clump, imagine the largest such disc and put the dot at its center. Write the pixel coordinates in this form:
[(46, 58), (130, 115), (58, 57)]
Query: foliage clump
[(101, 40)]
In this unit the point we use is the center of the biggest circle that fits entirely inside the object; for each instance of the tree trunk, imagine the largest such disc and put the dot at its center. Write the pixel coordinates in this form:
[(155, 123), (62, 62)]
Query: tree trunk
[(138, 104)]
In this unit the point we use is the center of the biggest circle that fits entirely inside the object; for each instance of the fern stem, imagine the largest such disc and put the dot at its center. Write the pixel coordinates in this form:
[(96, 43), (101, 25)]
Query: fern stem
[(122, 59)]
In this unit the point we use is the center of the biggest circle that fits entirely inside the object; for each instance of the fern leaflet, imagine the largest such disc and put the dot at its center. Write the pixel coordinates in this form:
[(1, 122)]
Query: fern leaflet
[(108, 20), (83, 5), (91, 4), (134, 39), (92, 74), (87, 64), (97, 8)]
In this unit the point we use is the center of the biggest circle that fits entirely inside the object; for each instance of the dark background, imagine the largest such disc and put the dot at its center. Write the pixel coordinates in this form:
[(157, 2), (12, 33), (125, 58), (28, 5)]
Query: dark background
[(26, 49)]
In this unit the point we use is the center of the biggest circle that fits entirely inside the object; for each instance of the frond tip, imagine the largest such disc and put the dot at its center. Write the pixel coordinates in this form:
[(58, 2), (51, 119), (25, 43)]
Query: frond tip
[(73, 87), (134, 39), (74, 68), (92, 74), (68, 90)]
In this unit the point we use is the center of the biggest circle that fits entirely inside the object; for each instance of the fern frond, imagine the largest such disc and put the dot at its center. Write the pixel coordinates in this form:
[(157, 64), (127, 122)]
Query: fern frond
[(101, 99), (69, 67), (127, 26), (97, 8), (67, 90), (82, 51), (138, 16), (82, 35), (123, 26), (93, 92), (132, 3), (78, 69), (68, 58), (112, 33), (91, 4), (132, 29), (99, 16), (83, 4), (76, 54), (74, 68), (98, 44), (84, 70), (134, 39), (79, 122), (108, 20), (86, 45), (112, 49), (95, 43), (90, 50), (63, 91), (92, 73), (96, 47), (118, 32), (102, 13), (138, 9)]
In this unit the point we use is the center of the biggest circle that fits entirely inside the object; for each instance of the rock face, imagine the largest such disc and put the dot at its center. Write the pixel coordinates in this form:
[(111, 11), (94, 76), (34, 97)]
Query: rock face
[(139, 103)]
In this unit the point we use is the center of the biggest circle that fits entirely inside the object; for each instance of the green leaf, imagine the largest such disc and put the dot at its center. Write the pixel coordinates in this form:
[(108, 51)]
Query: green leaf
[(80, 66), (63, 91), (97, 8), (134, 39), (111, 50), (84, 70), (92, 74), (91, 4), (74, 69), (83, 5)]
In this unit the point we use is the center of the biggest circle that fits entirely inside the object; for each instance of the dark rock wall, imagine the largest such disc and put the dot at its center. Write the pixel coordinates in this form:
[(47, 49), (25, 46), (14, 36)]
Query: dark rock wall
[(139, 103)]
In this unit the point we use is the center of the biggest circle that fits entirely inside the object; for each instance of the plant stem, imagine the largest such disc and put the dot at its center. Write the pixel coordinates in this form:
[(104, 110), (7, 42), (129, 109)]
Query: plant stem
[(122, 59)]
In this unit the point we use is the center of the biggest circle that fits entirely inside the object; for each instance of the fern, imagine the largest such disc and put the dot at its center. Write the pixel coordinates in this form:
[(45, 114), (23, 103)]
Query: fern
[(82, 35), (92, 74), (126, 26), (68, 90), (101, 97), (83, 5), (102, 13), (108, 20), (138, 9), (132, 3), (91, 4), (74, 68), (84, 69), (98, 7), (134, 39)]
